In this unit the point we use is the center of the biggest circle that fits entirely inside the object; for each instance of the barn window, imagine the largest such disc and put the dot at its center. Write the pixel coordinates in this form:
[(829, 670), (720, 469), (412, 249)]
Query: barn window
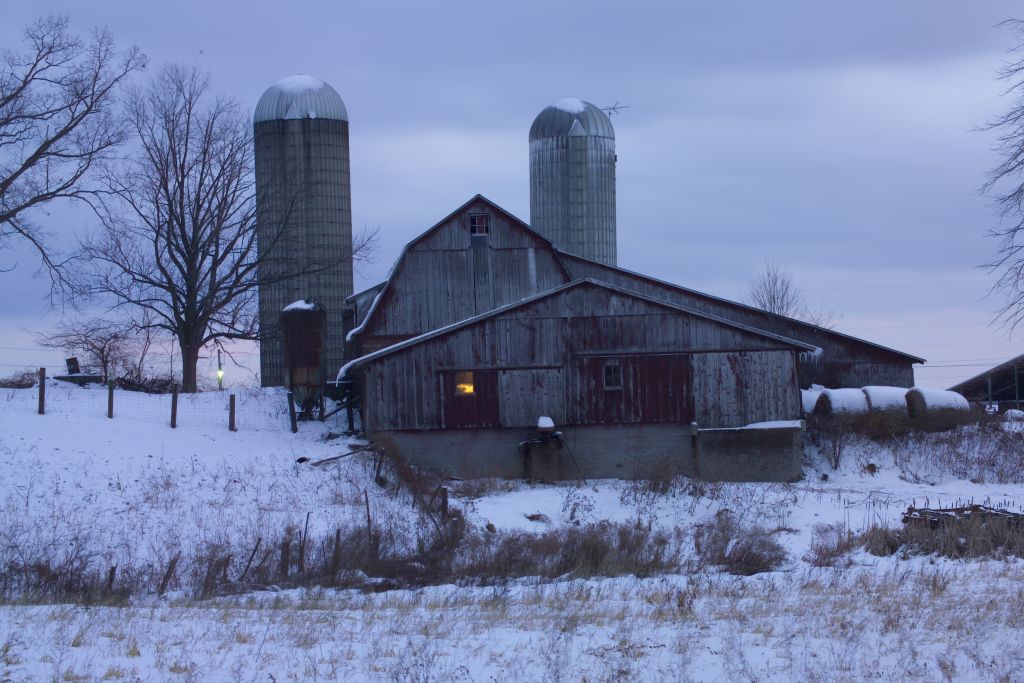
[(479, 224), (464, 383), (612, 374)]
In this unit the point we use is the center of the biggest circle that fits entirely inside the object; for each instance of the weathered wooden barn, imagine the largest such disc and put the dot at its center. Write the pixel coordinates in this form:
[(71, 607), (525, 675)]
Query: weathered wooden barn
[(633, 383), (482, 293), (480, 257)]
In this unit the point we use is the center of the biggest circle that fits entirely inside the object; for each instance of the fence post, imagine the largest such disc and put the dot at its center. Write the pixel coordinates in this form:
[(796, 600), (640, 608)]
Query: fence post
[(291, 413), (110, 399), (42, 391), (231, 413), (174, 406), (444, 502)]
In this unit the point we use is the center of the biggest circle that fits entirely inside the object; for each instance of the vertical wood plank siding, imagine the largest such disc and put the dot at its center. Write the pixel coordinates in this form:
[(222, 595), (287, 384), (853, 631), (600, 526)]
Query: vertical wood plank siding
[(549, 358), (846, 361), (444, 278)]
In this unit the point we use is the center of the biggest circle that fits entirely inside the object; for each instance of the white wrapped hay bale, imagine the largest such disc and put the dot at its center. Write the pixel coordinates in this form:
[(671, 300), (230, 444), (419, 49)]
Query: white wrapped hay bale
[(809, 398), (936, 409), (886, 398), (841, 401)]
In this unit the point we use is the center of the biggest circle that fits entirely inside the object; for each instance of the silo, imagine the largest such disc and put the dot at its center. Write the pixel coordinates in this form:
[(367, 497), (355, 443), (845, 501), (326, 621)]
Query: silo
[(572, 179), (304, 213)]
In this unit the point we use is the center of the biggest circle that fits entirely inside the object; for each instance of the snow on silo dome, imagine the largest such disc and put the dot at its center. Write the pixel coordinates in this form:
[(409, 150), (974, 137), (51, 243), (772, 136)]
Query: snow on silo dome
[(300, 97), (571, 116)]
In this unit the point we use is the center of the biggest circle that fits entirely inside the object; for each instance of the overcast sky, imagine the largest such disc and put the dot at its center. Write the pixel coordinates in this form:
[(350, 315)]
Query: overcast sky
[(837, 139)]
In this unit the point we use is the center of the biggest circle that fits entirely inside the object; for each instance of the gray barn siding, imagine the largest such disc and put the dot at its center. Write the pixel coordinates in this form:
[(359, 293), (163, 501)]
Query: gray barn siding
[(403, 389), (444, 278), (845, 362), (740, 388)]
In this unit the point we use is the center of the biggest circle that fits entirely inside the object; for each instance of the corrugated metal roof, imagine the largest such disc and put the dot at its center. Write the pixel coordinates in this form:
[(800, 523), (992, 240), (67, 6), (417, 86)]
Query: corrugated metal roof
[(300, 97), (566, 117)]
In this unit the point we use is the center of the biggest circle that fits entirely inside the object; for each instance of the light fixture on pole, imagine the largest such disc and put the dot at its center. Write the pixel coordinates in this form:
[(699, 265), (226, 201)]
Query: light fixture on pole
[(220, 373)]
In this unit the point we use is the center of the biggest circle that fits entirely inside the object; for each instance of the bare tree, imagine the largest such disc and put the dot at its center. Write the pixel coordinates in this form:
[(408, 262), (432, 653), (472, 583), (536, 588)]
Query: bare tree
[(178, 248), (100, 344), (774, 291), (57, 121), (365, 246), (1005, 183)]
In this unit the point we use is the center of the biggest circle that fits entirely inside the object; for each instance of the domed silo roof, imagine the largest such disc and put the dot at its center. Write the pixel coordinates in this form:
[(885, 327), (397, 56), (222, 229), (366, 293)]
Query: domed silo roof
[(571, 116), (300, 97)]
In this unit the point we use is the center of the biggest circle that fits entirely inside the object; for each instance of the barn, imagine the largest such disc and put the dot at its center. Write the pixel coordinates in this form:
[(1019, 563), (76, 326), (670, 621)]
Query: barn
[(495, 348), (688, 397), (633, 383)]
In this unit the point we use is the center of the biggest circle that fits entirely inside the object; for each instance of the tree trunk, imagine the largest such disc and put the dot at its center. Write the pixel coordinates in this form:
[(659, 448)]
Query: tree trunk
[(189, 363)]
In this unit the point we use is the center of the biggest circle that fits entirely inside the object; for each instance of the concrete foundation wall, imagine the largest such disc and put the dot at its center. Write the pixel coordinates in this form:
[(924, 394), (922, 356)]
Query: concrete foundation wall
[(749, 454), (603, 452)]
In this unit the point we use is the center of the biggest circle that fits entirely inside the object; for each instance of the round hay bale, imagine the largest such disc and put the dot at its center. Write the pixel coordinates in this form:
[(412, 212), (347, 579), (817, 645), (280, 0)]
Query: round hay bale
[(886, 398), (936, 409), (835, 401)]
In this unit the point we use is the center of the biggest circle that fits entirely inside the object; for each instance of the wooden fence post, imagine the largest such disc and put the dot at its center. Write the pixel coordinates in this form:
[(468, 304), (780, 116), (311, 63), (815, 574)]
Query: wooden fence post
[(286, 558), (42, 391), (291, 413), (336, 555), (231, 413), (110, 399), (444, 502), (174, 406)]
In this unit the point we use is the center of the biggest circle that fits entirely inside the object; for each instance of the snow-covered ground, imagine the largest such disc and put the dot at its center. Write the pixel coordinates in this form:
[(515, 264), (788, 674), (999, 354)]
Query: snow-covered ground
[(132, 492)]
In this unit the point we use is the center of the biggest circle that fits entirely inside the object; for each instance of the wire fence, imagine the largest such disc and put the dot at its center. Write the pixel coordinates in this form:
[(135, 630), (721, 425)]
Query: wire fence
[(255, 409)]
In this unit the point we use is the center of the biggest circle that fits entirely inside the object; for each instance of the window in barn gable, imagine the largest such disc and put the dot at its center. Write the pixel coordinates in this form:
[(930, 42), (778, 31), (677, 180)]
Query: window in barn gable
[(479, 224), (612, 374)]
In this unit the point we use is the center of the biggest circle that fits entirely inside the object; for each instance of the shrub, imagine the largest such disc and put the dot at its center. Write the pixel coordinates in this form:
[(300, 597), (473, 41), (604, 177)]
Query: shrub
[(26, 379), (830, 546), (742, 550)]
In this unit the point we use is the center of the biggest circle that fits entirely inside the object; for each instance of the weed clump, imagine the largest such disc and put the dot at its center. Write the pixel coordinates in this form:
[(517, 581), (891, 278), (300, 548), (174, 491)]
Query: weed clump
[(741, 550)]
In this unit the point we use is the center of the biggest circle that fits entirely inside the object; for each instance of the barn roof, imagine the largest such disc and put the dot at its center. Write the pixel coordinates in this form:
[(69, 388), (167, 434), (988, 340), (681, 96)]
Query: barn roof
[(977, 386), (437, 226), (448, 329), (565, 256)]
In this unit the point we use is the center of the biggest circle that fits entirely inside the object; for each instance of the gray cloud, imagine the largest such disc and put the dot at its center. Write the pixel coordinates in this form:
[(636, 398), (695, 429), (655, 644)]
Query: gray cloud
[(836, 138)]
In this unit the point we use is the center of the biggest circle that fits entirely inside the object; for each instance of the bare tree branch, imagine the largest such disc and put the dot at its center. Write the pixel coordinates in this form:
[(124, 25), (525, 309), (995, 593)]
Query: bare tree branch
[(57, 122), (774, 291), (178, 250)]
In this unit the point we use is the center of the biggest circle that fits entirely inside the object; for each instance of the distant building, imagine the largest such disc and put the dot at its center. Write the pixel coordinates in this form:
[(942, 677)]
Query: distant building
[(304, 212), (1002, 384)]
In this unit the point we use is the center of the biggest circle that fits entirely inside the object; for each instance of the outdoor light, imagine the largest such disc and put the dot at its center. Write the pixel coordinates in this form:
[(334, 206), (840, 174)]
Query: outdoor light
[(220, 373)]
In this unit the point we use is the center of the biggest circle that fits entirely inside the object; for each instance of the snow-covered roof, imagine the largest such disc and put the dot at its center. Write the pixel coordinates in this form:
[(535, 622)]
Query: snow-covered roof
[(300, 97), (300, 305), (571, 116)]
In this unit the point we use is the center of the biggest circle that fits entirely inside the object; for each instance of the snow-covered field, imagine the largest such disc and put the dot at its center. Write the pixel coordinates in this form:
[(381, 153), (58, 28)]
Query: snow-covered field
[(133, 493)]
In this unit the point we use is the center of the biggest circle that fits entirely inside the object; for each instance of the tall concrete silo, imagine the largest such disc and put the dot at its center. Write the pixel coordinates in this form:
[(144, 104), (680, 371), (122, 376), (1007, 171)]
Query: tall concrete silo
[(572, 179), (304, 212)]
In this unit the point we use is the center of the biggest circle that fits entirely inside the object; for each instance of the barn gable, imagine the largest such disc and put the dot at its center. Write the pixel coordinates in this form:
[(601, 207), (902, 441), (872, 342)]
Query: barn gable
[(478, 258)]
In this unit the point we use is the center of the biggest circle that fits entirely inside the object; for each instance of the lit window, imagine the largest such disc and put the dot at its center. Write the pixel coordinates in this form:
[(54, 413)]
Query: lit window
[(612, 375), (479, 224), (464, 383)]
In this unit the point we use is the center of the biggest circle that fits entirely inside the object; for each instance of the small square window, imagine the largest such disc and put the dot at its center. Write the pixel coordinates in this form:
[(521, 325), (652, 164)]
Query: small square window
[(464, 383), (479, 224), (613, 375)]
